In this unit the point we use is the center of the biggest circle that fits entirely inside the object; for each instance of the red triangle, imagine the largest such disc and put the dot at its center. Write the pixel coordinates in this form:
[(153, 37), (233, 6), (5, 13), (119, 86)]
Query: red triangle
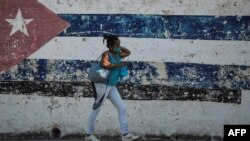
[(44, 27)]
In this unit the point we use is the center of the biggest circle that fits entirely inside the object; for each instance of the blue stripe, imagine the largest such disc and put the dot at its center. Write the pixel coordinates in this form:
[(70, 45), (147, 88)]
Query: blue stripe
[(178, 74), (154, 26), (209, 76)]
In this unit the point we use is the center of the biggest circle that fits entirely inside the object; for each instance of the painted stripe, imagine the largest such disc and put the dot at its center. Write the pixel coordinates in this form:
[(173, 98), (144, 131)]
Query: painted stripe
[(209, 76), (127, 91), (143, 73), (174, 118), (150, 50), (159, 26), (168, 7)]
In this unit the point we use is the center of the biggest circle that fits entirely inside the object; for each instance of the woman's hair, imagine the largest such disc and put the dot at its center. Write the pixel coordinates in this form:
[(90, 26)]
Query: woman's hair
[(110, 39)]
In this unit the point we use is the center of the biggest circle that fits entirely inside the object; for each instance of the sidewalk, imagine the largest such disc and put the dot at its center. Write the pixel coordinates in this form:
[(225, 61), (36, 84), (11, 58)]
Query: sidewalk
[(174, 138)]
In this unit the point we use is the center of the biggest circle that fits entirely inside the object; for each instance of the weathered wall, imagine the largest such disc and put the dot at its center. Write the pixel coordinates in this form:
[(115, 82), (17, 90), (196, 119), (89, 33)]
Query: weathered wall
[(189, 71)]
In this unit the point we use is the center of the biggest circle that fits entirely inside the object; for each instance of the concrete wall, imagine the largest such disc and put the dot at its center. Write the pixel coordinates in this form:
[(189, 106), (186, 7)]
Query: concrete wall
[(189, 71)]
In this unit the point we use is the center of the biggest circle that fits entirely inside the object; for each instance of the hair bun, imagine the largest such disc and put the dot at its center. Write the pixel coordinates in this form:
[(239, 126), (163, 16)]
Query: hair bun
[(105, 37), (110, 38)]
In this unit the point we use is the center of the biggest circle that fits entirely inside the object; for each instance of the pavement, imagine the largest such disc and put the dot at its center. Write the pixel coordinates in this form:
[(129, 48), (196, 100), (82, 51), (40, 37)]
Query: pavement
[(77, 137), (141, 139)]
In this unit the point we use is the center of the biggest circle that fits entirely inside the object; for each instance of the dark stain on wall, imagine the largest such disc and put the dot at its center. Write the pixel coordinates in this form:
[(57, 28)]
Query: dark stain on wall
[(128, 91)]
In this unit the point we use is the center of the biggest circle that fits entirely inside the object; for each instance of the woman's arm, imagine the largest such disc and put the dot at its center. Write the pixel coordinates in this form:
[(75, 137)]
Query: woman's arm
[(108, 65), (125, 52)]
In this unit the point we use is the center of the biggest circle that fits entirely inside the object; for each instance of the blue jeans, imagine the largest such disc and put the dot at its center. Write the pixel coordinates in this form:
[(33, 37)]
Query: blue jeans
[(114, 96)]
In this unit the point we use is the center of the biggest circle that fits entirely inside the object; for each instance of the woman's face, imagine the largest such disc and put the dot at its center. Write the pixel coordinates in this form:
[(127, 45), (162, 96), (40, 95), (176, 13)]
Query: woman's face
[(116, 44)]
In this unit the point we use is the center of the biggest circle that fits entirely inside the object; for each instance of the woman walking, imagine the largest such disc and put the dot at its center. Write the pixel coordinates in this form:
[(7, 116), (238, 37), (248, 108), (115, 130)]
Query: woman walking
[(112, 60)]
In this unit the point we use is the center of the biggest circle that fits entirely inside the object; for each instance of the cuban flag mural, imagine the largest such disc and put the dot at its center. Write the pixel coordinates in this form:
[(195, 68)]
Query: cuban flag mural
[(186, 55)]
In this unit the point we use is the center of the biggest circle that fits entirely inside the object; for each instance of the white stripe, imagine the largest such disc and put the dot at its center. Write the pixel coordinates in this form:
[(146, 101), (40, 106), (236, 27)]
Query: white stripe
[(168, 7), (150, 50), (155, 117)]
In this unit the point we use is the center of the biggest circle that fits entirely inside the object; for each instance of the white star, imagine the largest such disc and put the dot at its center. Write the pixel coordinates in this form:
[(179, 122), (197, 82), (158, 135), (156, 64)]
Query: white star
[(19, 23)]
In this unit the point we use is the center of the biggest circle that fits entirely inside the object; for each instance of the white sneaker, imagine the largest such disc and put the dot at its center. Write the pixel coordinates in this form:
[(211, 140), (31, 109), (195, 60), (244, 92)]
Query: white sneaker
[(129, 137), (91, 138)]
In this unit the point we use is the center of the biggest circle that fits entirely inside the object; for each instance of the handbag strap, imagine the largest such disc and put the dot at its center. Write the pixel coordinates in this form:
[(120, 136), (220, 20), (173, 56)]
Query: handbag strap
[(98, 104), (99, 57)]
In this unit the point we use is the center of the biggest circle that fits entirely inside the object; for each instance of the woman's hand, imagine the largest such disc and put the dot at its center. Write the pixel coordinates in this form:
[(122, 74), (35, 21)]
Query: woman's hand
[(124, 52), (124, 63)]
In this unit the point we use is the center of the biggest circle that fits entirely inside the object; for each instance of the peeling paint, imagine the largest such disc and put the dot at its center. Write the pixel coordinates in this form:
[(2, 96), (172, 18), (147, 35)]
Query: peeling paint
[(159, 26), (165, 73)]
